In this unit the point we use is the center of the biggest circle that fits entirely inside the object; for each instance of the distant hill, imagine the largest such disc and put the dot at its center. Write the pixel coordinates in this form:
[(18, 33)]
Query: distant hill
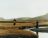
[(1, 19), (43, 17), (27, 19), (23, 19)]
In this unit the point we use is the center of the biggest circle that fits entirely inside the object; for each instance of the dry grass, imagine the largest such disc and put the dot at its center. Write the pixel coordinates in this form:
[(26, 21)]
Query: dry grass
[(16, 32)]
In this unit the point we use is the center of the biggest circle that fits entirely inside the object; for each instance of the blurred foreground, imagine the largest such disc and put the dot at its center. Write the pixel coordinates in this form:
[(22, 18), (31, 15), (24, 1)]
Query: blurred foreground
[(16, 33)]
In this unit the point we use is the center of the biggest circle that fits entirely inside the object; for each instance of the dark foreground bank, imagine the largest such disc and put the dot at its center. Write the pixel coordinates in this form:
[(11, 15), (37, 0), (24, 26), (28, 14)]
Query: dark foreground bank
[(14, 36)]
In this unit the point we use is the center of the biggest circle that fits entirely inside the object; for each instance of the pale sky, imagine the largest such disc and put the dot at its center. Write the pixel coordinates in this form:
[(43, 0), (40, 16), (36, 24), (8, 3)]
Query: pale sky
[(23, 8)]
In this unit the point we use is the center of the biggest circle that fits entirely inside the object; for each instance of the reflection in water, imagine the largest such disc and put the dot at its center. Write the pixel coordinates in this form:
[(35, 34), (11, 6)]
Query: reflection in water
[(43, 35)]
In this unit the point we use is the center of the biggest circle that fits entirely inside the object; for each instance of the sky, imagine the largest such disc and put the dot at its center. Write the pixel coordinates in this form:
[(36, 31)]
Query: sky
[(23, 8)]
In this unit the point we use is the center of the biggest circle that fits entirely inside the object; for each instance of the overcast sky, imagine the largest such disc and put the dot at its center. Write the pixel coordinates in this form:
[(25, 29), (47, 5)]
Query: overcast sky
[(23, 8)]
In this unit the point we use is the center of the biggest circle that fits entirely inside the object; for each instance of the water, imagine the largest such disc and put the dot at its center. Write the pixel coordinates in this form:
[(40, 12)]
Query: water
[(43, 35)]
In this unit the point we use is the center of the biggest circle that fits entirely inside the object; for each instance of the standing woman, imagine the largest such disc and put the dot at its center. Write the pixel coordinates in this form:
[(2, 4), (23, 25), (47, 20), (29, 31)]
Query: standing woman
[(14, 22)]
